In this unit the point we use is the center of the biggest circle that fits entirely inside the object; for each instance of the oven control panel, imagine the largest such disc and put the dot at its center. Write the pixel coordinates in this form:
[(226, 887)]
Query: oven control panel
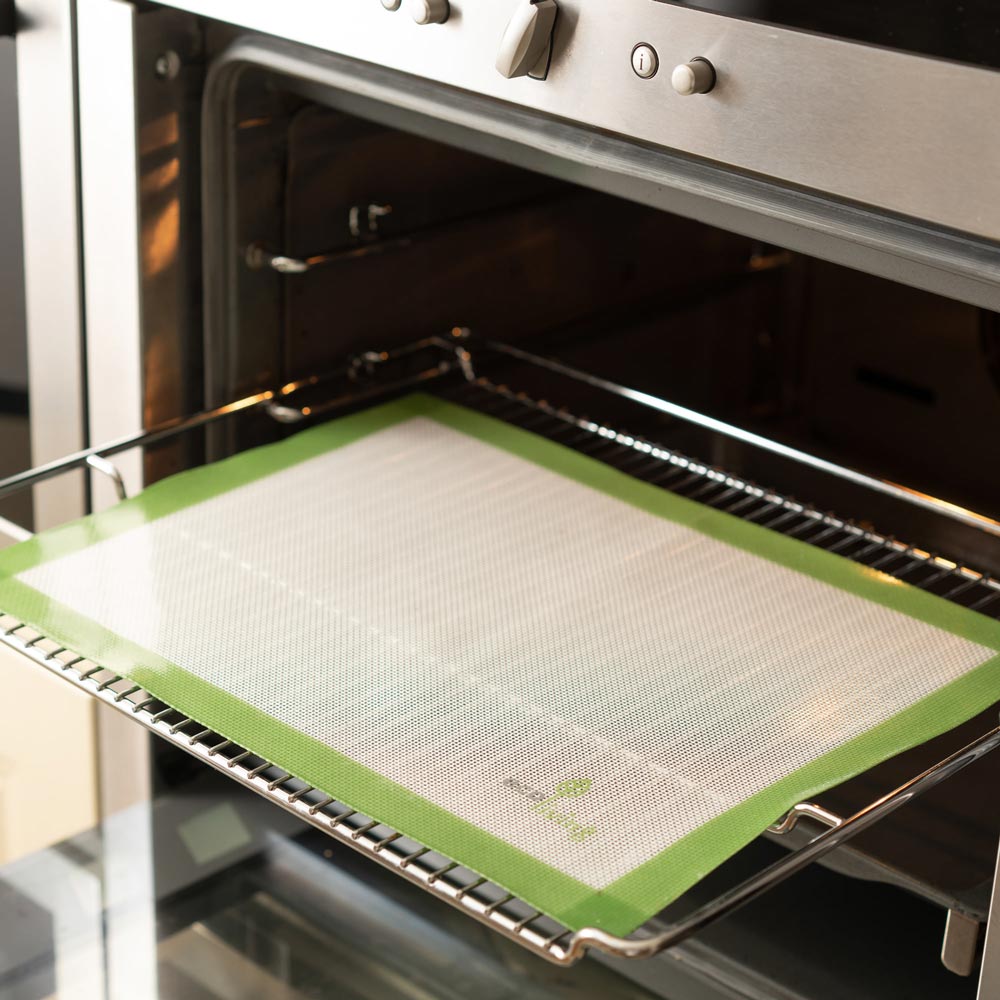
[(895, 130)]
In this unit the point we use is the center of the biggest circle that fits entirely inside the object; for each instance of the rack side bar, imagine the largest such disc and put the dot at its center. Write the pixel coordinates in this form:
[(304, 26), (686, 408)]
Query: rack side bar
[(885, 486)]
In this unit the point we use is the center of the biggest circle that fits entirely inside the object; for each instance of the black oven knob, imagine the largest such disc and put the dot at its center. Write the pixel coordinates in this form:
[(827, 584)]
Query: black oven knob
[(694, 77), (429, 11), (527, 42)]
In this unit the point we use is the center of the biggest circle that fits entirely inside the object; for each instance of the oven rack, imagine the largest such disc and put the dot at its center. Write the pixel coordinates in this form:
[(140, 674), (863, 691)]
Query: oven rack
[(454, 372), (436, 873)]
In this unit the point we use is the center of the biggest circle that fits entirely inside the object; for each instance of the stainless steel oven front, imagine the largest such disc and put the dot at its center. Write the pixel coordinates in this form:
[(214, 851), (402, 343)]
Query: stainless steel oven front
[(706, 226)]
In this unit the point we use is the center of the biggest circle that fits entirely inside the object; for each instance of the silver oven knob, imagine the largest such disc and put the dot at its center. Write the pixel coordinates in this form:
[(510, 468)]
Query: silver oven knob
[(527, 42), (694, 77), (429, 11)]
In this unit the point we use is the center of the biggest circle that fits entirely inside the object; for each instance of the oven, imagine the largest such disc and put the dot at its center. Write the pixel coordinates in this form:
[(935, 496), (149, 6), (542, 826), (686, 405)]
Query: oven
[(742, 252)]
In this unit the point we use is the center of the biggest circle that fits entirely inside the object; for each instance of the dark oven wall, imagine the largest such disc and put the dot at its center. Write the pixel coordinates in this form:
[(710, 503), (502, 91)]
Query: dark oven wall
[(407, 238), (904, 382), (641, 296), (509, 254)]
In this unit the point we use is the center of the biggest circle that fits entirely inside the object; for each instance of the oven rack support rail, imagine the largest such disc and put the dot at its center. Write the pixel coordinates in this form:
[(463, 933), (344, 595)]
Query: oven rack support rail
[(372, 376)]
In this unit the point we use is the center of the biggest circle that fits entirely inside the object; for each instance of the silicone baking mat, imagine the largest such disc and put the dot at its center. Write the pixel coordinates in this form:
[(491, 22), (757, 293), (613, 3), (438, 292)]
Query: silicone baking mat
[(584, 688)]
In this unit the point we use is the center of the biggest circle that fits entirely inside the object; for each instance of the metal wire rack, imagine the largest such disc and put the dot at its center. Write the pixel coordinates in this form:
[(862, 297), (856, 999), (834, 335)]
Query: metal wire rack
[(688, 477), (453, 371)]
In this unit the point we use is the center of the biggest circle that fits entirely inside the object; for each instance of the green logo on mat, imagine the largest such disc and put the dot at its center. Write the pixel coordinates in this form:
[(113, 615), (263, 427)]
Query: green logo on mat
[(571, 789), (550, 807)]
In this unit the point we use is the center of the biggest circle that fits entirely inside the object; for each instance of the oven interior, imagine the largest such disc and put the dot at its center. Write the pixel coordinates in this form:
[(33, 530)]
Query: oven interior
[(349, 237), (398, 236)]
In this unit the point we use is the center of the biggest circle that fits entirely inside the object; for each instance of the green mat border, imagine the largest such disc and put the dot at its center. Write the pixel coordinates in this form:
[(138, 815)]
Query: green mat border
[(632, 899)]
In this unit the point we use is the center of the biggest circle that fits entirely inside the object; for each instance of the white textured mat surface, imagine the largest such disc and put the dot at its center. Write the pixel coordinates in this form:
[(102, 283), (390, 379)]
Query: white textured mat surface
[(482, 631)]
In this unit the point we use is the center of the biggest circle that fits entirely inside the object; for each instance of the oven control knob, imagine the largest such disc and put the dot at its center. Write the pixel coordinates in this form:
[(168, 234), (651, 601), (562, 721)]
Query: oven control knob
[(694, 77), (527, 42), (429, 11)]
